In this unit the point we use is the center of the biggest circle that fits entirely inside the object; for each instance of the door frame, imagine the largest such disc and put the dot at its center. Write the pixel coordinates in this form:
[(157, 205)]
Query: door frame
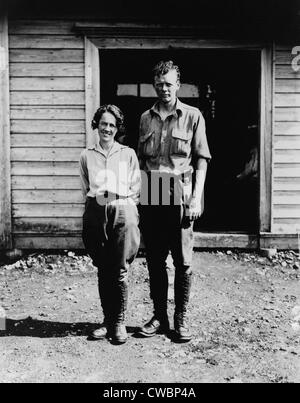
[(142, 36), (5, 165)]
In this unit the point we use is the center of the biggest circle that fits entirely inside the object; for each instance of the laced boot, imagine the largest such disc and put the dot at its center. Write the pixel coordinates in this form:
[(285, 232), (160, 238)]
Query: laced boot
[(104, 329), (159, 323), (155, 326), (183, 282), (182, 332), (119, 333)]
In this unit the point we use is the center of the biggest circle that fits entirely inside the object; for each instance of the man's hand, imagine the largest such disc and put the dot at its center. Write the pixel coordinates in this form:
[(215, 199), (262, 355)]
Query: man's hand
[(194, 210)]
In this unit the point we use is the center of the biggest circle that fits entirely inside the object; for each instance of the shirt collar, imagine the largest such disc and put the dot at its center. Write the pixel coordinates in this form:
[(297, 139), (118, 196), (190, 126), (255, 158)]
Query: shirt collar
[(177, 111), (116, 147)]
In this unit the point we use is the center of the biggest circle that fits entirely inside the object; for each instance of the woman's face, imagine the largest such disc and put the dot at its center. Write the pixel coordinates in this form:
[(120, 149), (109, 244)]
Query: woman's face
[(107, 128)]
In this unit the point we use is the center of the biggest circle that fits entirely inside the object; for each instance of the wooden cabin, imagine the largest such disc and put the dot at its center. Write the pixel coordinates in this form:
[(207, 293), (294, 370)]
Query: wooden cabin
[(240, 64)]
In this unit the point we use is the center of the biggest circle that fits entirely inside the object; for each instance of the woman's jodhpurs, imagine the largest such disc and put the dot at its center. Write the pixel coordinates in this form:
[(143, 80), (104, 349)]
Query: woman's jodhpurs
[(111, 237)]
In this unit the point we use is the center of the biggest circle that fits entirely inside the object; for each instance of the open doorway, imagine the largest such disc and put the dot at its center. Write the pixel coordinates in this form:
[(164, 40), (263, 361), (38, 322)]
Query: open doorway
[(224, 85)]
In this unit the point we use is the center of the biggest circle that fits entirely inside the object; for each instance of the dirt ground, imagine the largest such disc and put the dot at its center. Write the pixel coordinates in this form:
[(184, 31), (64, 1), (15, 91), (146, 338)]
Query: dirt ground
[(244, 313)]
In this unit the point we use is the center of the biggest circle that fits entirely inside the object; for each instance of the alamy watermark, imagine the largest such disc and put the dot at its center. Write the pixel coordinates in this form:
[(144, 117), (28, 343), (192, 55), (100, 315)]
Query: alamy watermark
[(154, 187), (296, 58), (2, 319)]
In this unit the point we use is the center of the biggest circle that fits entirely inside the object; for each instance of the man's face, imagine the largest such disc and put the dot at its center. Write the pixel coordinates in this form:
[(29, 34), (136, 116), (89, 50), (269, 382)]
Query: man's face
[(166, 87)]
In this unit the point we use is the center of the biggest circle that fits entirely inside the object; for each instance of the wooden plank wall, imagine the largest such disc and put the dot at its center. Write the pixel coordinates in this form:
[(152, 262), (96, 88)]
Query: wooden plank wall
[(47, 95), (47, 133), (286, 177)]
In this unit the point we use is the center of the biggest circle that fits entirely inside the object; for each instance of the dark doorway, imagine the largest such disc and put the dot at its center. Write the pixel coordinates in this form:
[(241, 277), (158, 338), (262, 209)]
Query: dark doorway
[(224, 85)]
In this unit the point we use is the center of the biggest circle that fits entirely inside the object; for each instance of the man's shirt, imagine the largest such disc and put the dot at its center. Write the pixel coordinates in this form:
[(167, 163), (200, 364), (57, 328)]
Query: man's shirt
[(170, 145), (117, 173)]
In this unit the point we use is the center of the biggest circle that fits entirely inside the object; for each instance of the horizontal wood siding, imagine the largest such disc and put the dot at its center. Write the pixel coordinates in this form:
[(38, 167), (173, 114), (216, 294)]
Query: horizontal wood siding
[(47, 95), (47, 98), (286, 177)]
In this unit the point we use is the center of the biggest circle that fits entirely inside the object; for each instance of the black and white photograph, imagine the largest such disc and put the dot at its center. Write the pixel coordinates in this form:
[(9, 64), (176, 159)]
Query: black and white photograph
[(149, 194)]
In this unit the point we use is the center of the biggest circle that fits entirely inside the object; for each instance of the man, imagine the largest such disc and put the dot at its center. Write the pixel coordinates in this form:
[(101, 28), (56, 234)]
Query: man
[(172, 142)]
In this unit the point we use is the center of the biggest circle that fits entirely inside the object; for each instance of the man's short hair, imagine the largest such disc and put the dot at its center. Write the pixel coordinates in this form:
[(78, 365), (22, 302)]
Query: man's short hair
[(163, 67)]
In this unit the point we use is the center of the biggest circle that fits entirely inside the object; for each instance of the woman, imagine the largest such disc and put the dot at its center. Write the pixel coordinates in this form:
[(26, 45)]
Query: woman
[(110, 179)]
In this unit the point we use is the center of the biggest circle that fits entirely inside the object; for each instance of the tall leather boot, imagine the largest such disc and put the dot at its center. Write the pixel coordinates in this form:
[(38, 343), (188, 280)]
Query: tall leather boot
[(182, 288), (120, 300), (104, 289), (159, 295), (159, 323)]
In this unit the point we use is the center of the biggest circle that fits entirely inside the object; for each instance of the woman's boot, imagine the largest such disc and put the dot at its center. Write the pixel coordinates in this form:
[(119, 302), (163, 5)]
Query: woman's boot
[(105, 296), (120, 299)]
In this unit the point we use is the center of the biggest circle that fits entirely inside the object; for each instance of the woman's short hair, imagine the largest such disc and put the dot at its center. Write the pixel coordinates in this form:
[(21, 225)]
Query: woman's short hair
[(163, 67), (115, 111)]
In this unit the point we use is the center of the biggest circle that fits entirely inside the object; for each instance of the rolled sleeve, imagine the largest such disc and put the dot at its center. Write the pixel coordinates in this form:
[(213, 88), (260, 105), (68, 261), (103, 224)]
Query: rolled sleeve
[(200, 147)]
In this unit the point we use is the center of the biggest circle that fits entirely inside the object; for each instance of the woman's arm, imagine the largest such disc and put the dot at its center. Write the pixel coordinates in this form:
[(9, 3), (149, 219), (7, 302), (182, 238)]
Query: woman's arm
[(84, 176), (135, 178)]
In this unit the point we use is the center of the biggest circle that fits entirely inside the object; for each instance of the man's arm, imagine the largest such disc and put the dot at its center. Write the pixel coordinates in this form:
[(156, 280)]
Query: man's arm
[(201, 155), (139, 152), (196, 204)]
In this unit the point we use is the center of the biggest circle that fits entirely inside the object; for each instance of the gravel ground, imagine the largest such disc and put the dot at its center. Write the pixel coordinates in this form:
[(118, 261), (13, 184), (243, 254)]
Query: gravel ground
[(244, 313)]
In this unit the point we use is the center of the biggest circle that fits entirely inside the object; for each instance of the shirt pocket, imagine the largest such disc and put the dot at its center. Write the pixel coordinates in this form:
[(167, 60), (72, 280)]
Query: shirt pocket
[(181, 142), (149, 144)]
